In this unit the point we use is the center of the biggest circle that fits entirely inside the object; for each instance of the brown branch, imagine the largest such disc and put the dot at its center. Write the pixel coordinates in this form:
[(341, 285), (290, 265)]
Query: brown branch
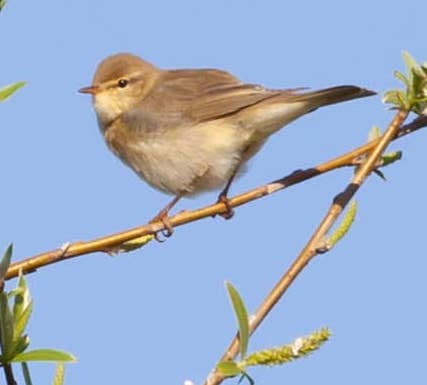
[(110, 242), (316, 241), (10, 379)]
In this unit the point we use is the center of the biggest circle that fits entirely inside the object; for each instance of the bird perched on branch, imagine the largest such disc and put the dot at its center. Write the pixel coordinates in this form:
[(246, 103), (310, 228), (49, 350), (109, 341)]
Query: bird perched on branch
[(187, 131)]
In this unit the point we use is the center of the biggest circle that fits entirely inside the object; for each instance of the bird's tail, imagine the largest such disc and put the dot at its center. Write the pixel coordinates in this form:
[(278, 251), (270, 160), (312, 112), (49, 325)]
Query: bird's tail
[(332, 95)]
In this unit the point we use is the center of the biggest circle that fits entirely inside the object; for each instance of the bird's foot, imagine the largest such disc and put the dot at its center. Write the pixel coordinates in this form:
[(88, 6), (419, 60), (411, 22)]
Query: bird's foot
[(162, 216), (228, 214)]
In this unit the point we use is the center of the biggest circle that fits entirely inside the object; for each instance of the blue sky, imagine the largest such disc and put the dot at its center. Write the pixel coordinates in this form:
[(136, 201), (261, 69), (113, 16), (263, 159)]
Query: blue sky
[(161, 314)]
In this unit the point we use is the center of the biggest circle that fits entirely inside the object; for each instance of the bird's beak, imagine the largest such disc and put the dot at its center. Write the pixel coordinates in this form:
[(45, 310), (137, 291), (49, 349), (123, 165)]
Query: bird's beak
[(93, 90)]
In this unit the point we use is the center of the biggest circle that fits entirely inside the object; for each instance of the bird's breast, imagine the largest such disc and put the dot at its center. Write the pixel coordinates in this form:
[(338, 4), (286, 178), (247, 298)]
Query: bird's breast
[(180, 160)]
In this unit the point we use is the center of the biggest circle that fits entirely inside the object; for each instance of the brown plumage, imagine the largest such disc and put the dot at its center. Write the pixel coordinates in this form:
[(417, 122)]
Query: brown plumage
[(189, 131)]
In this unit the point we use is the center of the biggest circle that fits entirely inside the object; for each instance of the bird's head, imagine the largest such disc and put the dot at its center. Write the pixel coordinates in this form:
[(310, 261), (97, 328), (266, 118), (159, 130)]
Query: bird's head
[(121, 81)]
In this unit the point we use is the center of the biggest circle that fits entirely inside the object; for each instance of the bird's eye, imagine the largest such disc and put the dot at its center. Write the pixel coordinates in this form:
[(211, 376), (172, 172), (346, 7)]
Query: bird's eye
[(122, 83)]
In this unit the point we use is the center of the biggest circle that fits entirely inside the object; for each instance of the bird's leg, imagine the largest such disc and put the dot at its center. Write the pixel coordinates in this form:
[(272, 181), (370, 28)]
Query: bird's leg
[(162, 216), (222, 197)]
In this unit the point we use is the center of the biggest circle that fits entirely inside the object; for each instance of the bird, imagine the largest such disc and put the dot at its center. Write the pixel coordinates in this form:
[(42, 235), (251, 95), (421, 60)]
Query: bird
[(187, 131)]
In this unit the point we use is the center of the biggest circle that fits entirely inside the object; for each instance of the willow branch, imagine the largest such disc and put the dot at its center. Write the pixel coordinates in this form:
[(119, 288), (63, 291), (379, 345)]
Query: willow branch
[(316, 242), (111, 242), (8, 372)]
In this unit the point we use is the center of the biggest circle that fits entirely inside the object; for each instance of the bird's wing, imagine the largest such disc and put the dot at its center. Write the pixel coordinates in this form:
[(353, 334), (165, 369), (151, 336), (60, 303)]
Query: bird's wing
[(190, 96), (205, 94)]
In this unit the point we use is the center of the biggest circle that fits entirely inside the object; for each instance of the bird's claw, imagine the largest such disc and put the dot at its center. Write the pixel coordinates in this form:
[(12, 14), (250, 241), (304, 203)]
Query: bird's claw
[(229, 213), (167, 231)]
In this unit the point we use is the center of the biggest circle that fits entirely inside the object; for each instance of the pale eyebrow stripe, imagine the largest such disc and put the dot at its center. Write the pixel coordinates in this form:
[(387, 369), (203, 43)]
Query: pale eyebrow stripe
[(131, 78)]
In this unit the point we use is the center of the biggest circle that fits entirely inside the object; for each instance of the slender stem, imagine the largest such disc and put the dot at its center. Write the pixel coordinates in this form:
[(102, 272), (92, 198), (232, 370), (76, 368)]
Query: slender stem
[(311, 248), (110, 242), (10, 379)]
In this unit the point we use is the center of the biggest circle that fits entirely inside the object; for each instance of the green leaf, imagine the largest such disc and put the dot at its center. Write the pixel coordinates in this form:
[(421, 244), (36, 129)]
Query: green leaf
[(391, 157), (26, 373), (5, 261), (402, 78), (22, 307), (22, 296), (415, 81), (59, 374), (397, 98), (228, 368), (49, 355), (7, 91), (242, 318), (19, 345), (375, 133), (6, 327), (18, 303), (2, 4), (410, 64), (22, 320), (133, 244), (409, 61)]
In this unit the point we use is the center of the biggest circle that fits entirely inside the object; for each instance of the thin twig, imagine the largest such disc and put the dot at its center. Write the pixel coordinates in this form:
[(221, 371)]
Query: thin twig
[(10, 379), (111, 242), (311, 248)]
